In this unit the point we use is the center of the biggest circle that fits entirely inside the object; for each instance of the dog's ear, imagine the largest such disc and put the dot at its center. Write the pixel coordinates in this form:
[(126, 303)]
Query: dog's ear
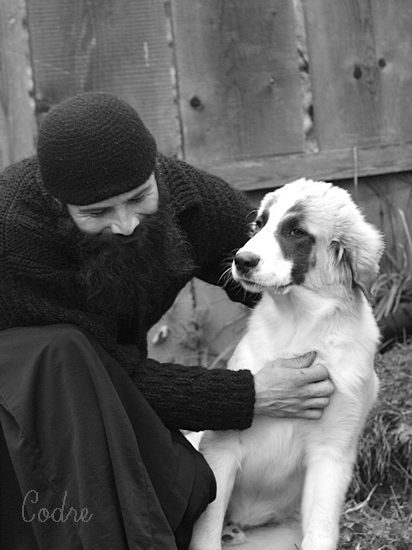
[(356, 258)]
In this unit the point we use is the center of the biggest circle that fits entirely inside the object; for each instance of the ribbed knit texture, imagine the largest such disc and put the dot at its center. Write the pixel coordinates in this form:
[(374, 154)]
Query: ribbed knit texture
[(94, 146), (38, 287)]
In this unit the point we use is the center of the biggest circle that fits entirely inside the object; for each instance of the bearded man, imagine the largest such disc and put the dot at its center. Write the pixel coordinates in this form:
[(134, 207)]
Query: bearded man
[(99, 233)]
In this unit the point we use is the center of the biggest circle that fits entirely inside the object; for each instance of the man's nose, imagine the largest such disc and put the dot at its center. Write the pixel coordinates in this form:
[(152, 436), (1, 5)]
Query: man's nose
[(125, 223)]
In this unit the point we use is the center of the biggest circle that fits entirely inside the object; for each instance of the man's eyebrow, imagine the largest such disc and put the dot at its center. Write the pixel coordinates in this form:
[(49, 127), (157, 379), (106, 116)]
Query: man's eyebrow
[(87, 208), (139, 191)]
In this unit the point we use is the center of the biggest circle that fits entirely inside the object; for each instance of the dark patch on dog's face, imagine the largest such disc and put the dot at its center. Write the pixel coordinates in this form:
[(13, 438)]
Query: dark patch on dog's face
[(296, 243)]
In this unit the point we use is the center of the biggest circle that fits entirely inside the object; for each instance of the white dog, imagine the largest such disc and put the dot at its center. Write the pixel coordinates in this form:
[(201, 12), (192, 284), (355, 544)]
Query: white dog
[(313, 257)]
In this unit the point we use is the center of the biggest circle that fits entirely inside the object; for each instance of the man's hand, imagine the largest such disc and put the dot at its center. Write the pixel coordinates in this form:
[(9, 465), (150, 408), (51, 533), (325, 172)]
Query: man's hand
[(294, 388)]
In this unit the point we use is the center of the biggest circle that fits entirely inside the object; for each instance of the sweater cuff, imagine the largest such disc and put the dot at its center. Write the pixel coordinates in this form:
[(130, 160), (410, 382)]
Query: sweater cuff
[(195, 398)]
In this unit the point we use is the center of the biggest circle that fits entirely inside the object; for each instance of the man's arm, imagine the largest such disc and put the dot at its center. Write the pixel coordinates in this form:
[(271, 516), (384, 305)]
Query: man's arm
[(216, 218), (184, 397)]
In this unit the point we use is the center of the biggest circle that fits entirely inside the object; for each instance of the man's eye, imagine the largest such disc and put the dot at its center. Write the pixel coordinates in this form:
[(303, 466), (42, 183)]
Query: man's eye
[(137, 199), (97, 213)]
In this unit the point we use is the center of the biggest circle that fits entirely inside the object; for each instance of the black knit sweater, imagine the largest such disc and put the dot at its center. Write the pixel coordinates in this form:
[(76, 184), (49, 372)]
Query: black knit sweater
[(38, 286)]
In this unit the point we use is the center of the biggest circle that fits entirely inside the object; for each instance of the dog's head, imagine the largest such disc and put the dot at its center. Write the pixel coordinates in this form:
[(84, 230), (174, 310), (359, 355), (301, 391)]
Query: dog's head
[(310, 234)]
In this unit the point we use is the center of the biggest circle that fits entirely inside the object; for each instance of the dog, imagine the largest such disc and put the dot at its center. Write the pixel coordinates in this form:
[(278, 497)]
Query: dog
[(314, 258)]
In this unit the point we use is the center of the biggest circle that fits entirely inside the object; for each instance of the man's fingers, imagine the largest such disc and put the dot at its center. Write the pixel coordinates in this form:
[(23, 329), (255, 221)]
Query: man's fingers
[(317, 403), (312, 414), (315, 373), (301, 361), (322, 389)]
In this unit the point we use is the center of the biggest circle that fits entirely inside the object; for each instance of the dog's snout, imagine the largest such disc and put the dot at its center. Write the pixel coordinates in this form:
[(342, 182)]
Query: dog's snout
[(245, 261)]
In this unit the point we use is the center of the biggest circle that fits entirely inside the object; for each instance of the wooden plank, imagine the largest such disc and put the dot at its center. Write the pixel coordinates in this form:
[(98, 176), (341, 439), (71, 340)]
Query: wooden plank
[(117, 47), (17, 120), (273, 171), (238, 78), (351, 91), (201, 328), (381, 198), (393, 38), (224, 323), (175, 338)]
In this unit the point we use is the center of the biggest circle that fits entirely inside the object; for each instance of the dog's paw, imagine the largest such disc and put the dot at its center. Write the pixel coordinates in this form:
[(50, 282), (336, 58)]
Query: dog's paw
[(232, 535)]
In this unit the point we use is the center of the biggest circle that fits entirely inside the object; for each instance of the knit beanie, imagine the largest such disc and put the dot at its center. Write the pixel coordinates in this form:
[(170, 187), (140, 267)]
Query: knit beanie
[(94, 146)]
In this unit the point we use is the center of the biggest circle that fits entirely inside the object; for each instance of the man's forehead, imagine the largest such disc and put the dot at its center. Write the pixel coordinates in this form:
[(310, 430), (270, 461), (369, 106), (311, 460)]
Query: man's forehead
[(119, 199)]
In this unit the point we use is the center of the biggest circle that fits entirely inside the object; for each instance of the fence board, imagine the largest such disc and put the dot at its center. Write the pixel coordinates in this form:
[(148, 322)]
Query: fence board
[(270, 172), (201, 328), (353, 93), (17, 121), (119, 47), (393, 37), (238, 78)]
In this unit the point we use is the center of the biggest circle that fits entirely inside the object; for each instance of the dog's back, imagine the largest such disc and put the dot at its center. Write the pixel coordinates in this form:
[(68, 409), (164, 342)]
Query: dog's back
[(282, 467)]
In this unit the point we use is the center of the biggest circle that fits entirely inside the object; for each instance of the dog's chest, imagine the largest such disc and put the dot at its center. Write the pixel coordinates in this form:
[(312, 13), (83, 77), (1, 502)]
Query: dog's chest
[(278, 333)]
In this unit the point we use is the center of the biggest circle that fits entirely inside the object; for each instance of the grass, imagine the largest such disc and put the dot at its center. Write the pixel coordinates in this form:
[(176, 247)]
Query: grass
[(394, 284), (378, 512)]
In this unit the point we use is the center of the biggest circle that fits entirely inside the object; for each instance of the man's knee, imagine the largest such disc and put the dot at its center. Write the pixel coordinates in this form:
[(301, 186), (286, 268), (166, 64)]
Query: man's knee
[(58, 336), (47, 353)]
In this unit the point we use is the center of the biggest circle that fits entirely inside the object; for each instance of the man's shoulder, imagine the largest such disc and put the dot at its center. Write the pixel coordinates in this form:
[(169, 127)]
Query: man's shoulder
[(14, 179), (22, 204), (192, 186), (24, 168), (178, 168)]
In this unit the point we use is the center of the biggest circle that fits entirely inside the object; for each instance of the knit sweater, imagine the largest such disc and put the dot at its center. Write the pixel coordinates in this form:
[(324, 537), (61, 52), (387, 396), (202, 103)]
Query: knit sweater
[(39, 286)]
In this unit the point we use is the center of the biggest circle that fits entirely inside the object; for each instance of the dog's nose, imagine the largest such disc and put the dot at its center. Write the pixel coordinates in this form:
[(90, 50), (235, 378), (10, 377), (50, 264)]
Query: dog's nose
[(245, 261)]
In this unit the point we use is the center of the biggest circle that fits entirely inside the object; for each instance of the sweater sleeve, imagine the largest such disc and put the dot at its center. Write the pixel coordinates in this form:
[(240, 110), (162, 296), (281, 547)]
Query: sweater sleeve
[(184, 397), (195, 398), (218, 227)]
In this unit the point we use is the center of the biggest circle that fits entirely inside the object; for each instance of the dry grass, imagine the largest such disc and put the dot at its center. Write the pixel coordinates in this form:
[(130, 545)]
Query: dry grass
[(378, 513), (394, 284)]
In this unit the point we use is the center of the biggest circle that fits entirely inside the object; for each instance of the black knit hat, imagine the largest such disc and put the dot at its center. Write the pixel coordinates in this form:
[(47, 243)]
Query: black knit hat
[(94, 146)]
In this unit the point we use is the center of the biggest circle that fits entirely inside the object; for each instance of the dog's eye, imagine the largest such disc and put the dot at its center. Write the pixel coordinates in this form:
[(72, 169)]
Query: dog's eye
[(296, 232), (256, 225)]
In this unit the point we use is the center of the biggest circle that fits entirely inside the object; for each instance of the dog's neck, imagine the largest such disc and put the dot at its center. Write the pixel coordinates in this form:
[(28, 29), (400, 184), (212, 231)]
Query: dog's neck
[(301, 302)]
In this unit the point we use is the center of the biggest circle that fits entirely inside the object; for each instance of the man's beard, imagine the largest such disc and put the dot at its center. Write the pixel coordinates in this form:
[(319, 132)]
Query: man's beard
[(116, 272)]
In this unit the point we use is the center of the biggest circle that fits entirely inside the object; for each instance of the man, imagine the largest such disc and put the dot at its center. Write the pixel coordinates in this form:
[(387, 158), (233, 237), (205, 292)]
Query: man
[(99, 233)]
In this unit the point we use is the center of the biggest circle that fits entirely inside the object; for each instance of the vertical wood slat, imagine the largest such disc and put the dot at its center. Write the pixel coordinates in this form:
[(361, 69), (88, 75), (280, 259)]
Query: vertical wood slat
[(118, 46), (354, 91), (17, 120), (238, 78), (393, 38)]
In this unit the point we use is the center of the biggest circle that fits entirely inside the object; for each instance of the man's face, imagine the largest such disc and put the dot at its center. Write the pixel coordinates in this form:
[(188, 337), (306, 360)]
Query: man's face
[(118, 215), (126, 245)]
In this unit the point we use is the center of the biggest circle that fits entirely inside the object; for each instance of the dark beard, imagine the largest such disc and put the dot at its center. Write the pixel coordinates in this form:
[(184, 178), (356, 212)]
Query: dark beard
[(117, 272)]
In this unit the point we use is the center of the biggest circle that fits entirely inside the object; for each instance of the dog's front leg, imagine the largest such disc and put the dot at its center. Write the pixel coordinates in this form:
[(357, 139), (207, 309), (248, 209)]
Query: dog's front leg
[(327, 479), (220, 452)]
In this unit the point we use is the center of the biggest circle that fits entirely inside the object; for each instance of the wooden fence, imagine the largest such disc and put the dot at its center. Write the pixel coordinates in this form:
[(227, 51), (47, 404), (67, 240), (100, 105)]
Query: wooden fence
[(259, 92), (220, 82)]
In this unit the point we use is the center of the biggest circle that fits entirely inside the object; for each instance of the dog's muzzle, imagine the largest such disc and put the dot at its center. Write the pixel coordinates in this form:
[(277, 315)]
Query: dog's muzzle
[(246, 261)]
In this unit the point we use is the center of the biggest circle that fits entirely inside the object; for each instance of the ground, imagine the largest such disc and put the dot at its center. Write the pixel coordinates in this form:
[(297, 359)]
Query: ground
[(378, 513)]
